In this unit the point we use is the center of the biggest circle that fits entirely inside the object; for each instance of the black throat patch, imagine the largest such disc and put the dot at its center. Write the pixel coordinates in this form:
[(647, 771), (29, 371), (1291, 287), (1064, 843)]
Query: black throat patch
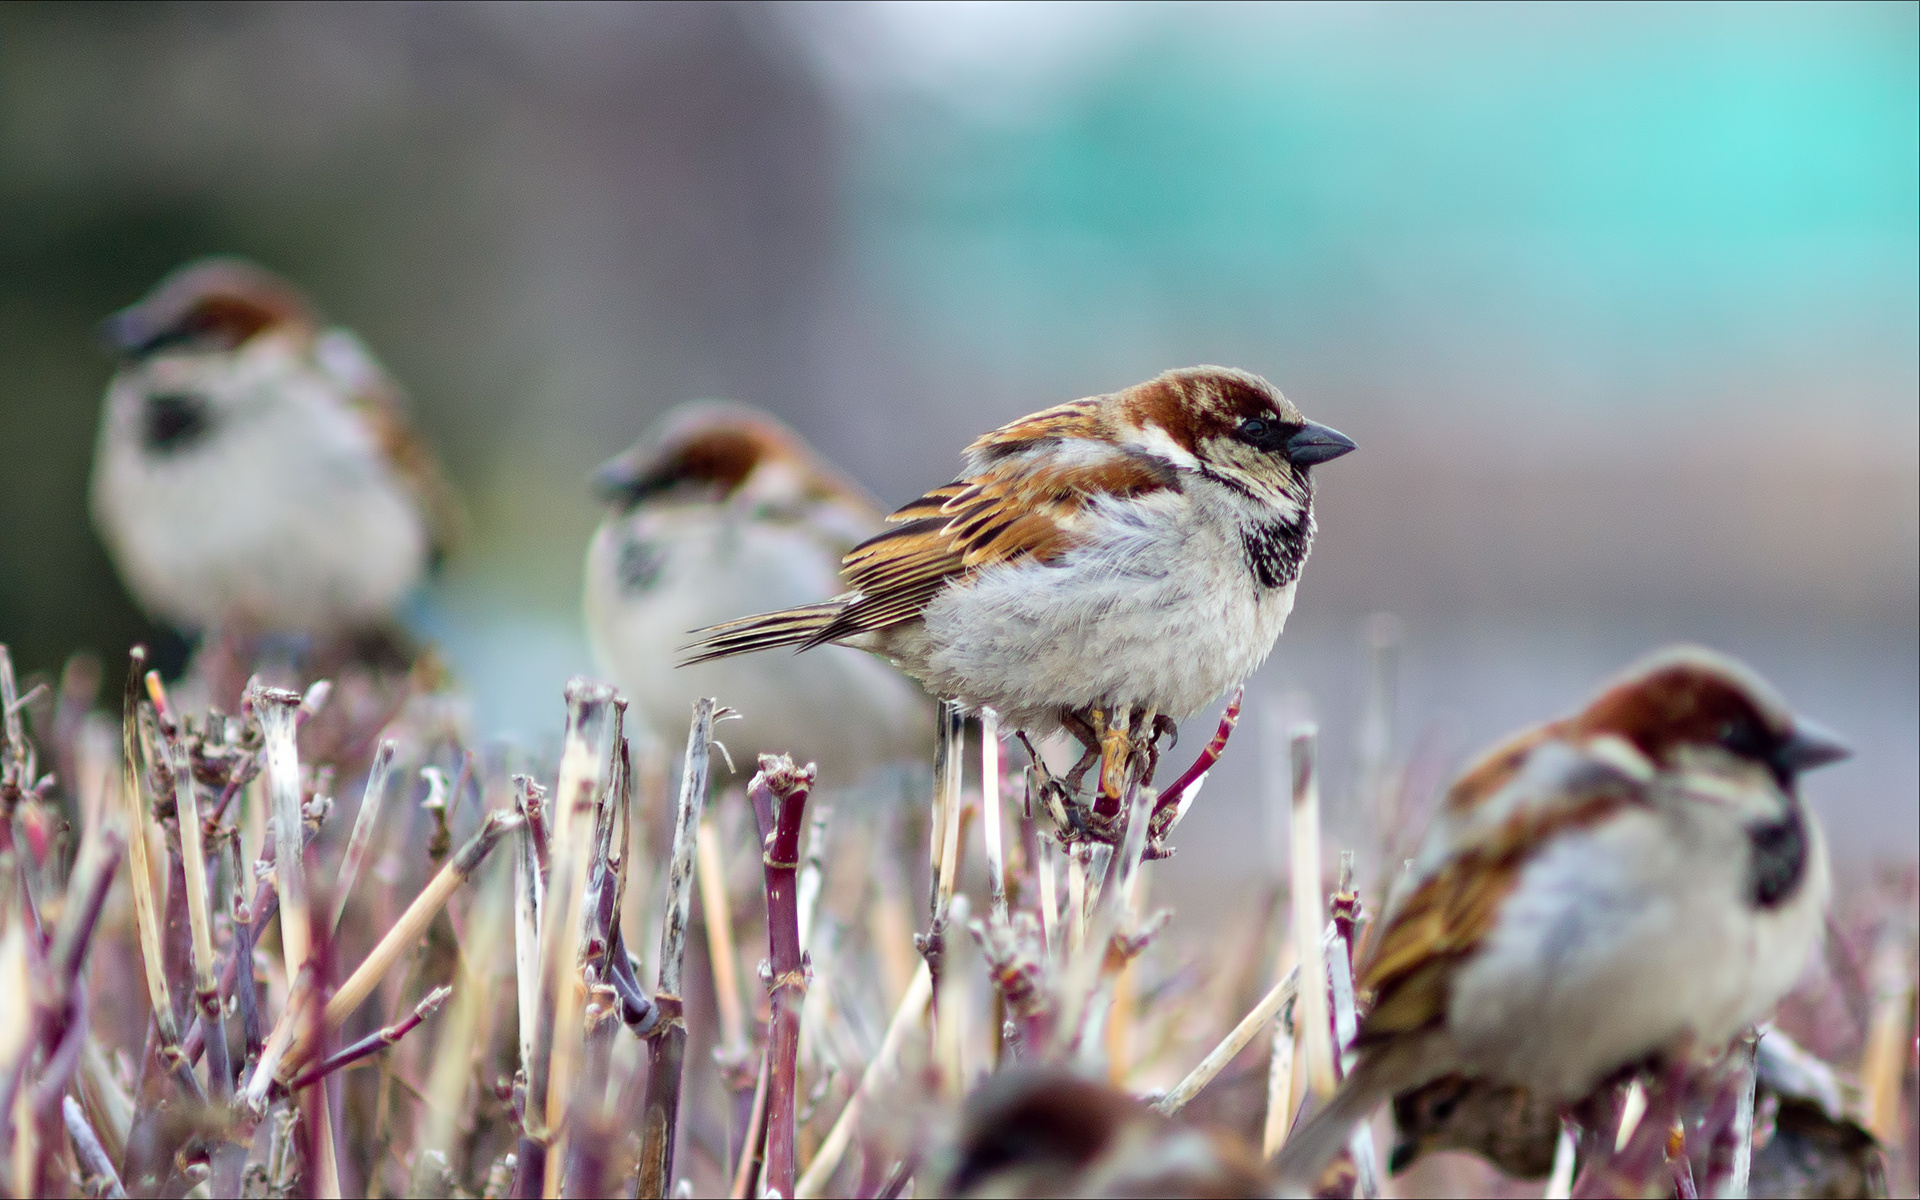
[(171, 422), (1276, 550), (1779, 859)]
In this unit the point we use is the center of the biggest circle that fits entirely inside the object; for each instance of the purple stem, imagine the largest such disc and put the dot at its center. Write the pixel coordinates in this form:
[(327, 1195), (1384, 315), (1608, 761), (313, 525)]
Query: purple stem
[(781, 790)]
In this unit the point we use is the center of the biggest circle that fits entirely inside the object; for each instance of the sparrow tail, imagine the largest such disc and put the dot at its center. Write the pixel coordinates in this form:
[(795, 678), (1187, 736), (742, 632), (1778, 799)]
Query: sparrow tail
[(789, 627), (1375, 1078)]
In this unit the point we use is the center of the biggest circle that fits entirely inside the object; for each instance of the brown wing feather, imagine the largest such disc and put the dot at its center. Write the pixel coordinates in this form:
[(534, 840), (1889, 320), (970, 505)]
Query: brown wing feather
[(1409, 967), (1015, 509)]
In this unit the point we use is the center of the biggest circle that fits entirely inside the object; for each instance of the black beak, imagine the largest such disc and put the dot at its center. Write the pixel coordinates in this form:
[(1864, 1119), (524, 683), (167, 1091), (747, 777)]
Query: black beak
[(128, 333), (1809, 746), (625, 477), (1317, 444)]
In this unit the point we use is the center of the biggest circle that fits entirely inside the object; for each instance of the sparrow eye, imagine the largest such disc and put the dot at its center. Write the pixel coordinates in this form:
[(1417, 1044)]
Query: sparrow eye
[(1743, 738), (1261, 433)]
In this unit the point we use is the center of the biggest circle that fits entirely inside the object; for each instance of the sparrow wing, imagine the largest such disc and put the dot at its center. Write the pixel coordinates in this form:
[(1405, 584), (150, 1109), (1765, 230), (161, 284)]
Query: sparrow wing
[(1495, 819), (379, 402), (1032, 501)]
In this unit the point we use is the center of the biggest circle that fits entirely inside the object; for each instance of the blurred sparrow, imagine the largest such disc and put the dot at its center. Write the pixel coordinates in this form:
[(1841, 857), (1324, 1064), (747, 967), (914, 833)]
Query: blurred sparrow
[(720, 511), (255, 469), (1636, 882), (1048, 1132), (1109, 566)]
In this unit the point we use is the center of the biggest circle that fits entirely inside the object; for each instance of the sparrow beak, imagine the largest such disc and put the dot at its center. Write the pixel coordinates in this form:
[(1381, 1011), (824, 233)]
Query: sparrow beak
[(1317, 444), (1810, 746), (128, 332), (626, 477)]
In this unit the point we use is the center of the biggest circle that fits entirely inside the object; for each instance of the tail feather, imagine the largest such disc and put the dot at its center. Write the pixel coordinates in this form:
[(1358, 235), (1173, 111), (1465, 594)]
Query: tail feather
[(1375, 1079), (788, 627)]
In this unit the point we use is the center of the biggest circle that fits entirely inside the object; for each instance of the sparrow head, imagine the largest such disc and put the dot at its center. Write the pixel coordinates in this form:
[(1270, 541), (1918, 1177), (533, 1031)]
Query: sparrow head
[(1687, 707), (1049, 1132), (214, 304), (1233, 427), (709, 452)]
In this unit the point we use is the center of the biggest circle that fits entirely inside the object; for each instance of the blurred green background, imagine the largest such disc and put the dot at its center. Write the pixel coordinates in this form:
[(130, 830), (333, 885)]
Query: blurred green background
[(1619, 301)]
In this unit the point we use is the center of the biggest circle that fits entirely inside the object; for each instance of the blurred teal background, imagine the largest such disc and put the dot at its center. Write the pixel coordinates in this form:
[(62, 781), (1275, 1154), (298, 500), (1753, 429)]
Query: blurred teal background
[(1620, 301)]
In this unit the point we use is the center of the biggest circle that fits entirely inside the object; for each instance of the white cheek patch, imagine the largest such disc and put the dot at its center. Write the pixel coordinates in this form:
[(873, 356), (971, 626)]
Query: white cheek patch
[(1158, 442), (1622, 755)]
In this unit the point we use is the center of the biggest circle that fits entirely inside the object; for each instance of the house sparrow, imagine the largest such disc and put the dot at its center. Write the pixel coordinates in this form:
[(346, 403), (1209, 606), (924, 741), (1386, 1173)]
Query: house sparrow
[(254, 468), (720, 511), (1048, 1132), (1109, 565), (1636, 882)]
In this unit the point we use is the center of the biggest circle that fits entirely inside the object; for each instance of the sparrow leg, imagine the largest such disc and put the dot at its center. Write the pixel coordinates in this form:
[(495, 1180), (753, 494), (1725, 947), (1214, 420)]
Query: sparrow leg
[(1089, 739), (1147, 729), (1116, 755)]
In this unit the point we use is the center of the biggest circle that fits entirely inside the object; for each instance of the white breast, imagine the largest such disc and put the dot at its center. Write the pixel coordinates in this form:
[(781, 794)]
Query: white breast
[(286, 514), (1158, 610), (1633, 937)]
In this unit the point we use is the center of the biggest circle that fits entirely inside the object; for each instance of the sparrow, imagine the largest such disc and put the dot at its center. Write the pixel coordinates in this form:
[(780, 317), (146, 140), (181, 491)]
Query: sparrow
[(1048, 1132), (718, 511), (1108, 566), (254, 467), (1636, 883)]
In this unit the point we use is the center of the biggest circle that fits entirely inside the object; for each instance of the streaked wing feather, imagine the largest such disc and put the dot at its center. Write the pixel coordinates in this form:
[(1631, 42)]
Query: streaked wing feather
[(1409, 967)]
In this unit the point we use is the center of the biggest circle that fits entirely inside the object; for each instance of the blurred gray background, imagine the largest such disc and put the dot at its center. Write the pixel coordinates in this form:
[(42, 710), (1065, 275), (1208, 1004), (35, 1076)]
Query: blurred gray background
[(1619, 301)]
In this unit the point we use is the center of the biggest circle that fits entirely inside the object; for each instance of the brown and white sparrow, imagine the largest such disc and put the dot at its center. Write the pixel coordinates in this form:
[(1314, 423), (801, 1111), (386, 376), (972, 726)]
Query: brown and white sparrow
[(719, 511), (1105, 565), (1048, 1132), (1637, 882), (255, 468)]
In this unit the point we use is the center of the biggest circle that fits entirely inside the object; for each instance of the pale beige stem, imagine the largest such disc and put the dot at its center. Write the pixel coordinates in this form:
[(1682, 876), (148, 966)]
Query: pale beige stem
[(1049, 901), (363, 823), (277, 711), (1309, 914), (990, 811), (1889, 1042), (139, 856), (1273, 1133), (907, 1019), (720, 948), (1231, 1045), (576, 799)]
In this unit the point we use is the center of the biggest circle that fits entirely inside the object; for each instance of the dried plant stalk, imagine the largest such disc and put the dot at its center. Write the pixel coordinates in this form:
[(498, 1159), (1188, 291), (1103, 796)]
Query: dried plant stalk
[(1230, 1046), (990, 811), (139, 861), (660, 1113), (102, 1179), (363, 824), (1346, 1023), (780, 789), (1889, 1041), (1309, 914), (711, 876), (407, 931), (577, 795), (907, 1019), (1273, 1130), (193, 850), (277, 710)]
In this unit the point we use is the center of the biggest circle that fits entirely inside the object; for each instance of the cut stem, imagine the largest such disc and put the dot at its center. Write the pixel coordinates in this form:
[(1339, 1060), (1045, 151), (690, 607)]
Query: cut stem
[(990, 811), (1230, 1046), (660, 1109), (373, 1043), (1309, 915), (781, 790), (363, 824)]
